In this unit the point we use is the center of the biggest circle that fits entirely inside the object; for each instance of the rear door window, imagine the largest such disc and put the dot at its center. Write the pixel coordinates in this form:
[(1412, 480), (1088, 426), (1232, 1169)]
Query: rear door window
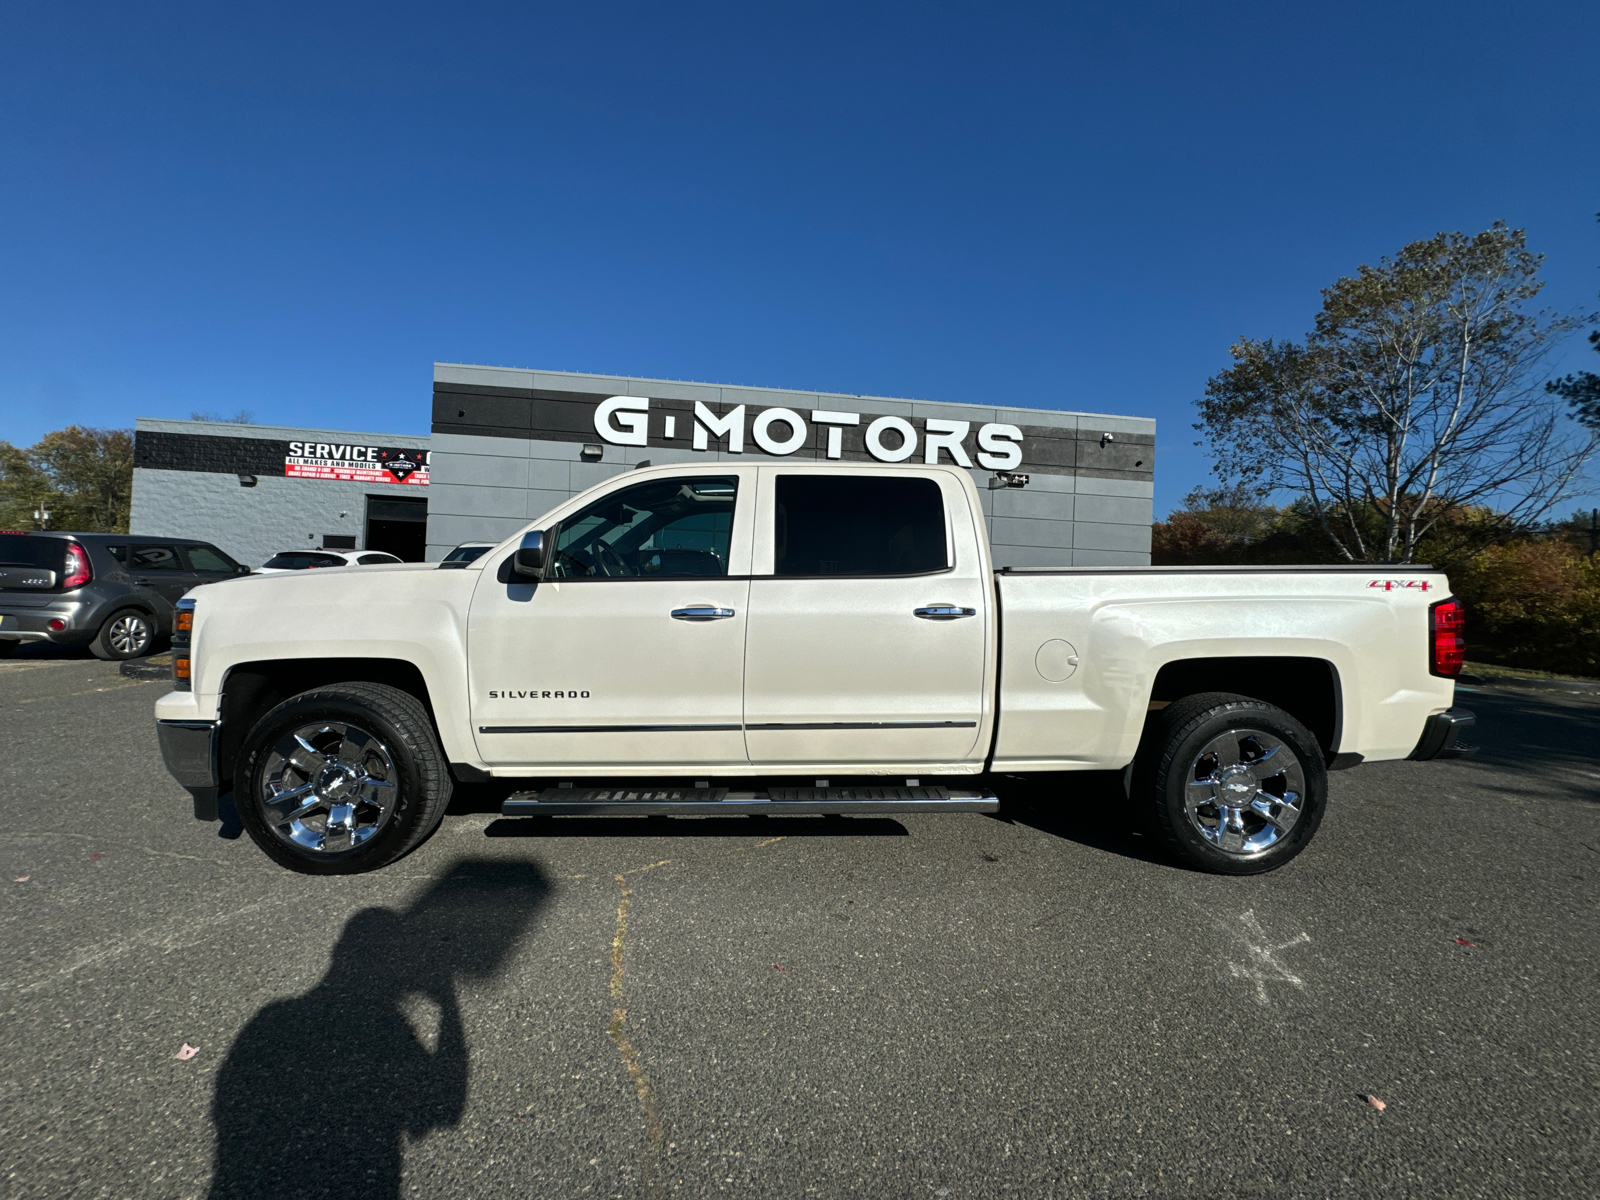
[(858, 525), (209, 561), (369, 560), (155, 558)]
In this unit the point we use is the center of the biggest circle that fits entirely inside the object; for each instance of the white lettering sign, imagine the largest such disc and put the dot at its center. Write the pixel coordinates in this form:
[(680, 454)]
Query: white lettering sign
[(730, 427), (1003, 444), (629, 412), (762, 430), (908, 439), (624, 421), (946, 435), (835, 422)]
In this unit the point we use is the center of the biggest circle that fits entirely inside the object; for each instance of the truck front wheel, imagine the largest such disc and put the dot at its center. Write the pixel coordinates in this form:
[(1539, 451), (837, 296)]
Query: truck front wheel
[(342, 779), (1230, 785)]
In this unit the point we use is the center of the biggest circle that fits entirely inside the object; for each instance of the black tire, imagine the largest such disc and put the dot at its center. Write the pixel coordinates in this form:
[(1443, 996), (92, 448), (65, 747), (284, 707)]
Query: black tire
[(409, 749), (127, 633), (1168, 777)]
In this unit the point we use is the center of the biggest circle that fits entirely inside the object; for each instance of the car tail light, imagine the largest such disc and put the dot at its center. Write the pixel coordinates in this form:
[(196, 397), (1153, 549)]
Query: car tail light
[(1447, 638), (78, 570), (55, 624)]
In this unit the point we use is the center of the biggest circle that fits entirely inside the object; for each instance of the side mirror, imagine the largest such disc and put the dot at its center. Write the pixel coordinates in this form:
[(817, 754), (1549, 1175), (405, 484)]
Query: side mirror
[(242, 570), (528, 560)]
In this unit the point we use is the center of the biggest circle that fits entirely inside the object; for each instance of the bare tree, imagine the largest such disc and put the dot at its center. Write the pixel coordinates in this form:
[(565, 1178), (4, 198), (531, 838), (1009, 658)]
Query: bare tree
[(1418, 394)]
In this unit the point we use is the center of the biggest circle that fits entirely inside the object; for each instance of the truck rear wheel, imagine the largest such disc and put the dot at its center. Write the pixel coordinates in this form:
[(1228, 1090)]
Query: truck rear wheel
[(1230, 785), (342, 779)]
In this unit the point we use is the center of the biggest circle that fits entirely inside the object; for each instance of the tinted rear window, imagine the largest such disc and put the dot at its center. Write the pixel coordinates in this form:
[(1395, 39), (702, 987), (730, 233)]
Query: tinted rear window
[(301, 561), (155, 558), (209, 561), (858, 525), (22, 550), (467, 553)]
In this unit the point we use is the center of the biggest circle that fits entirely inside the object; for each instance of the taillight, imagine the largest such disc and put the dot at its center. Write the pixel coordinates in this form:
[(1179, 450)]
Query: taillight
[(78, 569), (1447, 638)]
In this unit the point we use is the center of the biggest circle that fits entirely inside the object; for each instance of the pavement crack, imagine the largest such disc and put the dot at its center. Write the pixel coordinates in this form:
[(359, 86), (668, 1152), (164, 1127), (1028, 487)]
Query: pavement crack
[(654, 1133)]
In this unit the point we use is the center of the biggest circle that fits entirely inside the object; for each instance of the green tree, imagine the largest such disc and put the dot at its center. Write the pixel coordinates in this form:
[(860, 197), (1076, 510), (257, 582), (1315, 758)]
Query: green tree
[(84, 477), (23, 488), (1416, 395), (1581, 389)]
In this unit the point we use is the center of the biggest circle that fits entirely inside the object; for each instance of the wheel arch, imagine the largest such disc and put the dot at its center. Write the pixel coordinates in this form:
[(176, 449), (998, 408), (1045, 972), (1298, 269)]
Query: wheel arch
[(1306, 688), (252, 689)]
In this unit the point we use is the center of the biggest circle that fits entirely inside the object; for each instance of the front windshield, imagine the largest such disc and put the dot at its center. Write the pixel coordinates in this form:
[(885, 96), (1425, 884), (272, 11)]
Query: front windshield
[(660, 529)]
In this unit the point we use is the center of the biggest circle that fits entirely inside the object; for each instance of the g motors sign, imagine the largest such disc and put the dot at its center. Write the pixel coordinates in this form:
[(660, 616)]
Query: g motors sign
[(629, 421), (353, 463)]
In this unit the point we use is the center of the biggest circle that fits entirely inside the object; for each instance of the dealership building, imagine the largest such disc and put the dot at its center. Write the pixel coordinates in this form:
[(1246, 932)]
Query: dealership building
[(1059, 487)]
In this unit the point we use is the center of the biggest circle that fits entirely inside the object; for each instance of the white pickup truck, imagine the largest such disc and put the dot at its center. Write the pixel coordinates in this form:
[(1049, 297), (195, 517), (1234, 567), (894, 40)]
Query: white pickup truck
[(830, 638)]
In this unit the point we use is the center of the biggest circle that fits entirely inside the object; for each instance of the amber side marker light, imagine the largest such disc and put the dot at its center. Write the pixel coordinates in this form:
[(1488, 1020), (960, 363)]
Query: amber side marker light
[(182, 630)]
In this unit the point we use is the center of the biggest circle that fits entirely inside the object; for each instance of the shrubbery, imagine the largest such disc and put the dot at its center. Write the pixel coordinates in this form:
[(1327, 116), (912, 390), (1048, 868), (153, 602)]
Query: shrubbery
[(1532, 602)]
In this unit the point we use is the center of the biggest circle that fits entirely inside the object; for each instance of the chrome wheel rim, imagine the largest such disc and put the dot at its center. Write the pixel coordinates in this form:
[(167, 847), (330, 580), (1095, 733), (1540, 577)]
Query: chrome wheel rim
[(129, 635), (1244, 792), (328, 787)]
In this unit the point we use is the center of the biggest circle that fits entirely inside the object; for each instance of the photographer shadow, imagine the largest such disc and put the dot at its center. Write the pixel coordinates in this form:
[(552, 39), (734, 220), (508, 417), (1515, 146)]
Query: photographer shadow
[(319, 1093)]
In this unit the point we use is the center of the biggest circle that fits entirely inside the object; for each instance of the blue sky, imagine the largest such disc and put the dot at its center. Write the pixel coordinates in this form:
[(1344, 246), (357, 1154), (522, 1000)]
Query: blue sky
[(297, 209)]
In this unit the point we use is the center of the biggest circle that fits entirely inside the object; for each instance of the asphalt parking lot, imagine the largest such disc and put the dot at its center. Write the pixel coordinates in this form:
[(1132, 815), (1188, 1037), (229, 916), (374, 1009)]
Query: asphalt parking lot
[(950, 1006)]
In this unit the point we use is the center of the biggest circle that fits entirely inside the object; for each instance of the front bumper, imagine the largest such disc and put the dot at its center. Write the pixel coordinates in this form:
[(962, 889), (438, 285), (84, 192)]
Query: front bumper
[(189, 748), (1440, 734)]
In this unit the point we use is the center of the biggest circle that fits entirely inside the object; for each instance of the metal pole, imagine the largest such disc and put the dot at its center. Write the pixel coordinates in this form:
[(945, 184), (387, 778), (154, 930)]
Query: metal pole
[(1594, 530)]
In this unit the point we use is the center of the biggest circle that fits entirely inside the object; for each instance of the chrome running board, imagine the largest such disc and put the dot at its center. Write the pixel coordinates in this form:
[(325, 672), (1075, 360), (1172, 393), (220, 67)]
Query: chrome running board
[(723, 802)]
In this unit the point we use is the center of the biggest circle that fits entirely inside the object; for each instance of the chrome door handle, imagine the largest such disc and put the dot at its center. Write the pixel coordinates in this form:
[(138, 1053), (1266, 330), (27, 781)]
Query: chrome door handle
[(943, 612), (701, 612)]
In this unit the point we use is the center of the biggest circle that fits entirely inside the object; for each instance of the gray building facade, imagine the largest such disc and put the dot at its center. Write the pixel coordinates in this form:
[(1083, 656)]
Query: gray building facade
[(509, 444), (257, 490)]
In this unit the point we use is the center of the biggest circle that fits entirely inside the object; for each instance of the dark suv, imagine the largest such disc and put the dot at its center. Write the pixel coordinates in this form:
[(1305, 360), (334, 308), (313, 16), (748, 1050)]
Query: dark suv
[(112, 592)]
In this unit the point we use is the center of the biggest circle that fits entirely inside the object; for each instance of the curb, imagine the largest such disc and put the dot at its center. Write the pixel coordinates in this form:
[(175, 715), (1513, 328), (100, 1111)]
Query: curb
[(152, 666)]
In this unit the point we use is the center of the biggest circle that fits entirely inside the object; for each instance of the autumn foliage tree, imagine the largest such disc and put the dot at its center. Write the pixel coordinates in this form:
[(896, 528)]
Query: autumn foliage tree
[(1417, 394), (83, 477)]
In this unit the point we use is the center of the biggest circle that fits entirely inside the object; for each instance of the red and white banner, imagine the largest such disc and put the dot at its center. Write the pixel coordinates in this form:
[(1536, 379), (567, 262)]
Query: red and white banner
[(356, 464)]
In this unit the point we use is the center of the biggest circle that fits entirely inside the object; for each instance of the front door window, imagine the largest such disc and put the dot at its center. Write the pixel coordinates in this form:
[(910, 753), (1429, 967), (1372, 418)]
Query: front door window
[(660, 529)]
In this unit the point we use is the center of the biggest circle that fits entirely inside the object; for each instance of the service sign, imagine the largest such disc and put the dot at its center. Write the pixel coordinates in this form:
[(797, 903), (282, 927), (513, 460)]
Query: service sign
[(351, 463)]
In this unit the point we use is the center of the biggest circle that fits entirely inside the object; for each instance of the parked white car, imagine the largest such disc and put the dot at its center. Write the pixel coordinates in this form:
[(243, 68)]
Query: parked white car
[(742, 638), (311, 560), (469, 552)]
